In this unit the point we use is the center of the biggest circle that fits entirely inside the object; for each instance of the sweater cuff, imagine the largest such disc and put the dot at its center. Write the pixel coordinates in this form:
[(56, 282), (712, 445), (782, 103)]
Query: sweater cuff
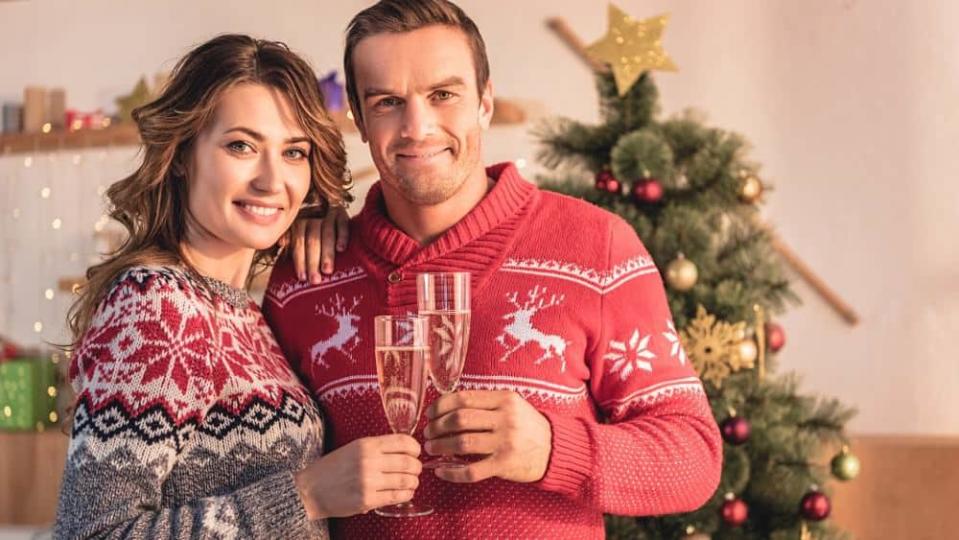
[(571, 457), (275, 505)]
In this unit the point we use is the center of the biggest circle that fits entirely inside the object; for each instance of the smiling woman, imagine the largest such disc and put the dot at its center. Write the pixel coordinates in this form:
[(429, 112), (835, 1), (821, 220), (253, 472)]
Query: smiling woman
[(247, 173), (188, 421)]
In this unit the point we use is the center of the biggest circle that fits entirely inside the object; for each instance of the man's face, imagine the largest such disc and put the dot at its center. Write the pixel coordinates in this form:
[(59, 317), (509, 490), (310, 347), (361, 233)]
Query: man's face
[(422, 113)]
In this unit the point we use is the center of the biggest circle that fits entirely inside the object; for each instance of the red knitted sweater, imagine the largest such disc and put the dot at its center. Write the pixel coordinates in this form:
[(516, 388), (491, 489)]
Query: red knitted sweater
[(569, 311)]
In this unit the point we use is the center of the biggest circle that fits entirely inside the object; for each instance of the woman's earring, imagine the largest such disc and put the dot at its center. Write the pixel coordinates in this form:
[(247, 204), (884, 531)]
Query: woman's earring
[(348, 185)]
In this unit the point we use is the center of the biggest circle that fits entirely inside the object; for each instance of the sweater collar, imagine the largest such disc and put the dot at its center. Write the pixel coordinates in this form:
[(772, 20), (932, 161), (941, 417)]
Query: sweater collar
[(510, 194)]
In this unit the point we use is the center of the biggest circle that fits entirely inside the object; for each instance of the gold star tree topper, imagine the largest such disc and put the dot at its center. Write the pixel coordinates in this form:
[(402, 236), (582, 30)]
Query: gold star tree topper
[(631, 47)]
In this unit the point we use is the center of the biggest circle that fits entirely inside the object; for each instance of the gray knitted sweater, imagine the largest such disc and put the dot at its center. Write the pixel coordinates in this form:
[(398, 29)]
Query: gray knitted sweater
[(189, 423)]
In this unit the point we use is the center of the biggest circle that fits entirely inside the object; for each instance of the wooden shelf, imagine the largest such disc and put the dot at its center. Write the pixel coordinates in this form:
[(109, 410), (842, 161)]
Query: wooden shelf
[(123, 134), (115, 135), (126, 134)]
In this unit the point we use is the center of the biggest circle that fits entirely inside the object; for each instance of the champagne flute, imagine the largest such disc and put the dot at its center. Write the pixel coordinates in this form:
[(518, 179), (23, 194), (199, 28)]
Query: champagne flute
[(401, 352), (443, 299)]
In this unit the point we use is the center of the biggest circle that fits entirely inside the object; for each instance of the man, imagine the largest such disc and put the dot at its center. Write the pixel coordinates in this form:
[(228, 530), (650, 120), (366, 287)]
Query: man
[(576, 398)]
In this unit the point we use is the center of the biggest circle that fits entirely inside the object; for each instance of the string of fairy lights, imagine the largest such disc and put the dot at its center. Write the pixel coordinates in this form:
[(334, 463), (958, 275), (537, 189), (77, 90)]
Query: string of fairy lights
[(54, 224)]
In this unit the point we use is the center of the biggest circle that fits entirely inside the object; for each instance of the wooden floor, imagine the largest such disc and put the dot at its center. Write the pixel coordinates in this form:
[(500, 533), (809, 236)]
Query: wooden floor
[(908, 488)]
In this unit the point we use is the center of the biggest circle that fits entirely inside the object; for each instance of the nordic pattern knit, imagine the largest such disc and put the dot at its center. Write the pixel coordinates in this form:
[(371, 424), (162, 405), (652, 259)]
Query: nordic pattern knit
[(189, 422), (569, 311)]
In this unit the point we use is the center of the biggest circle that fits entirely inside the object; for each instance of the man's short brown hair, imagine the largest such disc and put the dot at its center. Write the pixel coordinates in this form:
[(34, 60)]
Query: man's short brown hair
[(398, 16)]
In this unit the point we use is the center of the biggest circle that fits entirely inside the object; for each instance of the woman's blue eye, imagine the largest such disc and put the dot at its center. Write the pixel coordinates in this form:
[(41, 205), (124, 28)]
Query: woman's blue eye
[(241, 147), (297, 153)]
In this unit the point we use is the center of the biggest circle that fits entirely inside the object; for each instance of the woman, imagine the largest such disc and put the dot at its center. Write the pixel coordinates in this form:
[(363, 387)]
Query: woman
[(189, 422)]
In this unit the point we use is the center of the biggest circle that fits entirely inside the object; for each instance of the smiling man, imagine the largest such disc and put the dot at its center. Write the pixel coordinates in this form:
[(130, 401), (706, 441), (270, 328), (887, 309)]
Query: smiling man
[(576, 398)]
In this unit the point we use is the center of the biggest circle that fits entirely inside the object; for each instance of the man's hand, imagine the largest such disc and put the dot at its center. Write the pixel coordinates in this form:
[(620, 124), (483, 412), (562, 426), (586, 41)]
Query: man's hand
[(313, 243), (515, 438)]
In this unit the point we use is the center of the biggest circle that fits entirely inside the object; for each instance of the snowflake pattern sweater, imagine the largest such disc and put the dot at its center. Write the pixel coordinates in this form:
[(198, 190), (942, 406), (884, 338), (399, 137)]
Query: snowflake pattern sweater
[(189, 422), (569, 311)]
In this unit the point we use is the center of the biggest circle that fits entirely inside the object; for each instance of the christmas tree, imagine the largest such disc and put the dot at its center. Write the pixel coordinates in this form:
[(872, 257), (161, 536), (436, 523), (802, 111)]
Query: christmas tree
[(693, 197)]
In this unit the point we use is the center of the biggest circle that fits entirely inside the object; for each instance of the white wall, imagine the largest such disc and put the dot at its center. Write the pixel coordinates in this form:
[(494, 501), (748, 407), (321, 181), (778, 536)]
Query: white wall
[(849, 105)]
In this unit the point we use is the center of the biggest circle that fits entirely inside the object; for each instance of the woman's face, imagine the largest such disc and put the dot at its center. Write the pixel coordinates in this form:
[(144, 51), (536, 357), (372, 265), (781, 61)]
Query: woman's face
[(248, 172)]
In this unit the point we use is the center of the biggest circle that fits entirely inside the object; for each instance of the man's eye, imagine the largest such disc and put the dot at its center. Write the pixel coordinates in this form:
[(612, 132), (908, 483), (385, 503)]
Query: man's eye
[(388, 102), (443, 95)]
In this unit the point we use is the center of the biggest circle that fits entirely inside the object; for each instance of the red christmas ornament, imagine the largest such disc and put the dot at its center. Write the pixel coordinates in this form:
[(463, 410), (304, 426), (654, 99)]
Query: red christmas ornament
[(648, 190), (815, 506), (602, 179), (736, 430), (612, 185), (775, 336), (734, 512)]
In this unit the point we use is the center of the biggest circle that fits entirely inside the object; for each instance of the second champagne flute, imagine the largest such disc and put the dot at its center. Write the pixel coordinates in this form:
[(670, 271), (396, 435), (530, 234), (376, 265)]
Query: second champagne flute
[(443, 299)]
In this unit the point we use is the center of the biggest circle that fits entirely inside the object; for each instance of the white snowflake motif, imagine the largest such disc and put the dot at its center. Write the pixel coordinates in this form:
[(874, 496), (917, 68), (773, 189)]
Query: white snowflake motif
[(629, 356), (676, 346)]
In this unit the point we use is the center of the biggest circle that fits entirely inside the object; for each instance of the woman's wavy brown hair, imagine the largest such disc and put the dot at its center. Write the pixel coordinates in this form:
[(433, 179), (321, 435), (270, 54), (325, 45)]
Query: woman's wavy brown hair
[(151, 203)]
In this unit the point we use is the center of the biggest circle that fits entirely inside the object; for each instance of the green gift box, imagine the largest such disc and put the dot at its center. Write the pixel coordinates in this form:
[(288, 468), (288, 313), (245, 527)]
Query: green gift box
[(28, 394)]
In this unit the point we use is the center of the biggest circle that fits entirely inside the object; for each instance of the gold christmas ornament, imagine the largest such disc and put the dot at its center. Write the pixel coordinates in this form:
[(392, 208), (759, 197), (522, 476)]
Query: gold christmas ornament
[(845, 465), (713, 347), (751, 189), (631, 47), (748, 352), (681, 273)]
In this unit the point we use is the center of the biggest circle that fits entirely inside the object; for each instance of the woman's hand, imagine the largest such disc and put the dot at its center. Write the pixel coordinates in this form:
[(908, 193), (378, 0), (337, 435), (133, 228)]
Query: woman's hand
[(367, 473), (315, 241)]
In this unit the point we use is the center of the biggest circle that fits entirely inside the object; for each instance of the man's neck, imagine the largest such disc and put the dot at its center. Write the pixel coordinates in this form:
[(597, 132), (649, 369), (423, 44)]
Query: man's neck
[(425, 224)]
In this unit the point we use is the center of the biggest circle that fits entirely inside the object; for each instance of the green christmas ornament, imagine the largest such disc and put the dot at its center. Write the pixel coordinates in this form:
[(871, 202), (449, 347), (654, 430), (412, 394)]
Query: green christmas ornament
[(845, 466)]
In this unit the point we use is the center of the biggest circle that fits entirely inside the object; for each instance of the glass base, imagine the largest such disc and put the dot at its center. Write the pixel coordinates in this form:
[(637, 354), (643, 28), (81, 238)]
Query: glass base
[(445, 462), (407, 509)]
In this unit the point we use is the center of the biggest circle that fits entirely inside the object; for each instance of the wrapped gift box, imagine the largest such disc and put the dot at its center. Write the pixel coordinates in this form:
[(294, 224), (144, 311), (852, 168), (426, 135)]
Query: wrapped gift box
[(28, 394)]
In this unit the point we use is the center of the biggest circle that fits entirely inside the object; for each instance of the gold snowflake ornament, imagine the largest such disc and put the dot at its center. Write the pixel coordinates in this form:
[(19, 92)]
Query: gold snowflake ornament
[(713, 346)]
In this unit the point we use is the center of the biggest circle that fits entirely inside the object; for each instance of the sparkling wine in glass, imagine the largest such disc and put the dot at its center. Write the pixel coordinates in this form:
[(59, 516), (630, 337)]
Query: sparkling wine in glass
[(401, 352), (443, 299)]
